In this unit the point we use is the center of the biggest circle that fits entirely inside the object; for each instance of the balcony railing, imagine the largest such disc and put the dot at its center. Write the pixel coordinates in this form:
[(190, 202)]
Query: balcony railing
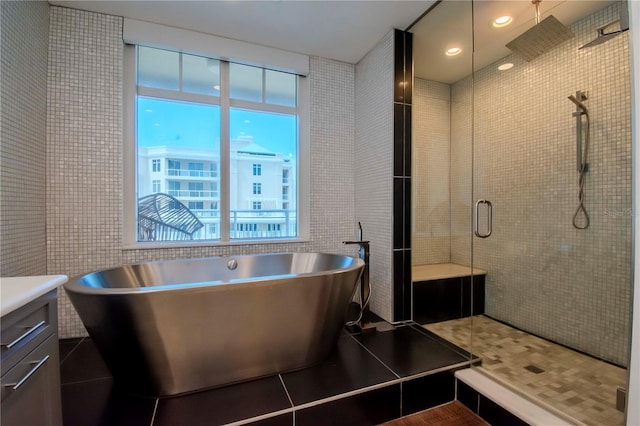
[(243, 224), (193, 173), (206, 213), (259, 223), (193, 193)]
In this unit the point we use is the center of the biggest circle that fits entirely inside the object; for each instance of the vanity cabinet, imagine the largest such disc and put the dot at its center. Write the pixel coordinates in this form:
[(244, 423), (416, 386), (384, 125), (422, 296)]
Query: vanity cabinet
[(30, 367)]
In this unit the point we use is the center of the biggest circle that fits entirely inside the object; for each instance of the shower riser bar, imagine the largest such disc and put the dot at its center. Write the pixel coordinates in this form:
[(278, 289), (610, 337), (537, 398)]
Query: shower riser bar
[(578, 114)]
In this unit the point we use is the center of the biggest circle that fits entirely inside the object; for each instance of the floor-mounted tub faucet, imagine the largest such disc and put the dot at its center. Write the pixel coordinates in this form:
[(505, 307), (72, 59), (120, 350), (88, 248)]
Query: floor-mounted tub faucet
[(365, 287)]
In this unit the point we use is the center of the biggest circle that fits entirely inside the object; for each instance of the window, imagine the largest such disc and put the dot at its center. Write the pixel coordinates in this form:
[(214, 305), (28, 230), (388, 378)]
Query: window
[(174, 188), (155, 165), (208, 121), (196, 189), (196, 169), (174, 166)]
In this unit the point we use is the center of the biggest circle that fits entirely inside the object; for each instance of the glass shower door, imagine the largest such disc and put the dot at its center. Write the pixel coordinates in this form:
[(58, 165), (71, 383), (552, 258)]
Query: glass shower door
[(441, 171), (557, 291)]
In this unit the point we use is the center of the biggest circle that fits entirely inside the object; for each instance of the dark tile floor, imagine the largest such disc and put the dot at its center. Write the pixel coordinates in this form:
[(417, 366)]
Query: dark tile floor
[(369, 378)]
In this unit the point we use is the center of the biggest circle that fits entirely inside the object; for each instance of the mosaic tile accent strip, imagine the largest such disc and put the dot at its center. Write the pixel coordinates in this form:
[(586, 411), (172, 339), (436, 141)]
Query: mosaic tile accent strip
[(84, 155), (544, 275), (23, 82), (374, 168), (576, 384)]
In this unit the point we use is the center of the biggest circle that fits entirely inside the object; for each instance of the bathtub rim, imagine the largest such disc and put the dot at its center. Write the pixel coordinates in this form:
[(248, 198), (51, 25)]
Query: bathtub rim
[(74, 285)]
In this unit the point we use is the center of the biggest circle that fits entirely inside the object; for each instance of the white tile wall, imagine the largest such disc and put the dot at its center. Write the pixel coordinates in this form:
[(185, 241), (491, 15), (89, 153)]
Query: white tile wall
[(431, 227), (546, 277), (23, 86), (374, 168), (85, 156)]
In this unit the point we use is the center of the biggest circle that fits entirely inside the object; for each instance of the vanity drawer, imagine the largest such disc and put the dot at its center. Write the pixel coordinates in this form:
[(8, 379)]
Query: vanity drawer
[(27, 327), (31, 389)]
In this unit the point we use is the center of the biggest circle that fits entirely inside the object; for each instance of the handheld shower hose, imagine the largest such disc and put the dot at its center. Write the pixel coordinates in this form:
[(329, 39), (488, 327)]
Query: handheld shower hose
[(583, 167)]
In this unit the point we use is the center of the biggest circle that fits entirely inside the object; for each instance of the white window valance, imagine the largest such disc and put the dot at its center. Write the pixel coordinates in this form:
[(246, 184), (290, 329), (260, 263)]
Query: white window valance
[(196, 43)]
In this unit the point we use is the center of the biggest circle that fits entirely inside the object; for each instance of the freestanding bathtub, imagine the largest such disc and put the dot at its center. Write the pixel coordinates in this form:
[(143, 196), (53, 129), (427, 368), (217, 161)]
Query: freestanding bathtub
[(171, 327)]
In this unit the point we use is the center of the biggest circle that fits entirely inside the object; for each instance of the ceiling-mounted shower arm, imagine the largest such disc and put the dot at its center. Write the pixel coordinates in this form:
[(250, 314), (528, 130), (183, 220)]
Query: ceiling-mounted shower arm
[(537, 5)]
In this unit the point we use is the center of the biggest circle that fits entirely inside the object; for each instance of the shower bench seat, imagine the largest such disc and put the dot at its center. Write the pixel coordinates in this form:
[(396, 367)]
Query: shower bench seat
[(446, 291)]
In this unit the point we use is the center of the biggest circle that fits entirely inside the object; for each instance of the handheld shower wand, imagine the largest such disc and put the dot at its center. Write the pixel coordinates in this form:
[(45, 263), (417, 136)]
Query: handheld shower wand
[(579, 104), (583, 166)]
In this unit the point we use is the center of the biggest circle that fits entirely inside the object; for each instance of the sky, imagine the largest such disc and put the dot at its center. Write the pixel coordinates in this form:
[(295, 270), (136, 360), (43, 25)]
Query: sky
[(181, 124)]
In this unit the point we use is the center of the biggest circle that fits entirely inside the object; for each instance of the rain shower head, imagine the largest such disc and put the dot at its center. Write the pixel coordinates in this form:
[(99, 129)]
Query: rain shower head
[(541, 38)]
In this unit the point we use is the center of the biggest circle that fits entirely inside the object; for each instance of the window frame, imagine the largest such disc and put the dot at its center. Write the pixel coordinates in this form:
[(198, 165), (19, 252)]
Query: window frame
[(130, 168), (257, 188)]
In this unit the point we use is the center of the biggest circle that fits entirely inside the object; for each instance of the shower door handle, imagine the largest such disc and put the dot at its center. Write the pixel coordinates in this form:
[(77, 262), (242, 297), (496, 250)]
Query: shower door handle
[(476, 230)]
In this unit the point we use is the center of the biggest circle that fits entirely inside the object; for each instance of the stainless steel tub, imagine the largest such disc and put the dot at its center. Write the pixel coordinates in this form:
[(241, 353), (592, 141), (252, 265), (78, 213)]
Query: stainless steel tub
[(166, 328)]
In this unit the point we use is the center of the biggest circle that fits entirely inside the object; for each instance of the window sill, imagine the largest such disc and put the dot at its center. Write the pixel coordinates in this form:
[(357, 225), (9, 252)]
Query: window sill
[(205, 243)]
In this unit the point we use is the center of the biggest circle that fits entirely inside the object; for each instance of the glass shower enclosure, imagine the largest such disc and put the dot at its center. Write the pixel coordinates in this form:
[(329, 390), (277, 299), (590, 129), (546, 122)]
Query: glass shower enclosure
[(524, 176)]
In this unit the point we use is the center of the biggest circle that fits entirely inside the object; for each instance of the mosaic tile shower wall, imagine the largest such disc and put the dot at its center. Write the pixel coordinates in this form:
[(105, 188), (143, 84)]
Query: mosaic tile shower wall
[(374, 168), (85, 156), (544, 276), (431, 241), (461, 172), (25, 42)]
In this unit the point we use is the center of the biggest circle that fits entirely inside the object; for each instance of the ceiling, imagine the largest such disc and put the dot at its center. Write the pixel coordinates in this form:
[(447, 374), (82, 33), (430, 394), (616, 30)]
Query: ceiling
[(450, 24), (346, 30), (340, 30)]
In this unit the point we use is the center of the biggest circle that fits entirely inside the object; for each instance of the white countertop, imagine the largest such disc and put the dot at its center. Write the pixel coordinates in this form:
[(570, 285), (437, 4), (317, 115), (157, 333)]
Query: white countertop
[(18, 291)]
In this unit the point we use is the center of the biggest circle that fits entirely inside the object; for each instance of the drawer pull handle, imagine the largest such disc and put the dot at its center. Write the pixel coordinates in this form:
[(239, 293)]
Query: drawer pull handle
[(38, 364), (31, 330)]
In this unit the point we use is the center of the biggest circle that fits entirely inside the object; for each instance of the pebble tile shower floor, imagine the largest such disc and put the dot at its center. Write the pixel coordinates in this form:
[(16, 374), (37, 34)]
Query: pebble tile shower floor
[(574, 383)]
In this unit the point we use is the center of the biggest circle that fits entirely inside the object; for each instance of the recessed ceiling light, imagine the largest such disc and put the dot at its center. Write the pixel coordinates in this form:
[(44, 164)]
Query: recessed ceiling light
[(505, 66), (502, 21), (453, 51)]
